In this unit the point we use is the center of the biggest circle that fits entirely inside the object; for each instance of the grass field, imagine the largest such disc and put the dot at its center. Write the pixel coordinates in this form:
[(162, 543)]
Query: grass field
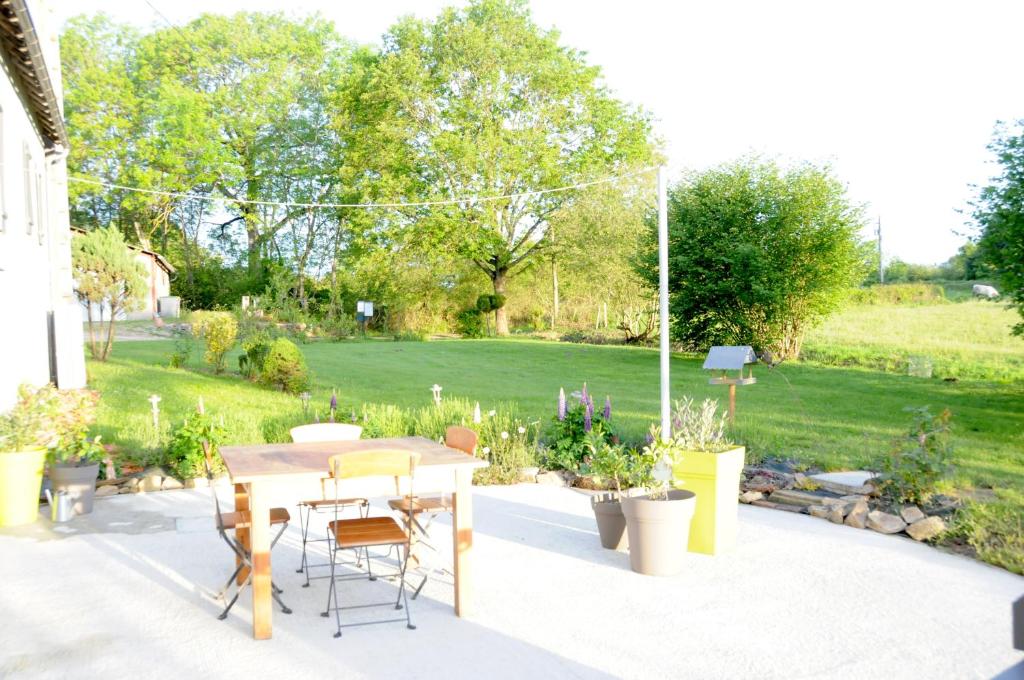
[(968, 339), (836, 417)]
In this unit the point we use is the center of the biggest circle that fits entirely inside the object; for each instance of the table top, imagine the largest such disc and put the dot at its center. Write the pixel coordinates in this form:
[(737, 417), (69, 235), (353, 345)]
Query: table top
[(246, 463)]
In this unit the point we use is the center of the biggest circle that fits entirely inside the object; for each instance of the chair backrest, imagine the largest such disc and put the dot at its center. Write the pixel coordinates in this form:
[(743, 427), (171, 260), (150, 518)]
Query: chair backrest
[(383, 463), (326, 432), (461, 438)]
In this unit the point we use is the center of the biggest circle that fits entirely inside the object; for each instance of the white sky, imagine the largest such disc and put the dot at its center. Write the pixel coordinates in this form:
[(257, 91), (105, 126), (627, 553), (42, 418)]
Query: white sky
[(900, 96)]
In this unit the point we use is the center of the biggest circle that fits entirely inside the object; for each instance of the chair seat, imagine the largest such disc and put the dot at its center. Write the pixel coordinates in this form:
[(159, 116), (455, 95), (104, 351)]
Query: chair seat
[(240, 518), (352, 533), (321, 502), (421, 504)]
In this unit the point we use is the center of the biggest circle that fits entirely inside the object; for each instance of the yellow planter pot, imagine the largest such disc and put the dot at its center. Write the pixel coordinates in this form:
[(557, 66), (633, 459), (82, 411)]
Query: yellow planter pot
[(715, 478), (21, 475)]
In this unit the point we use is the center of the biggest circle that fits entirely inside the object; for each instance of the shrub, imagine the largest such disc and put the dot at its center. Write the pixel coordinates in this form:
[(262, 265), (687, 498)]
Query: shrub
[(570, 428), (219, 329), (507, 442), (182, 350), (470, 323), (185, 453), (254, 355), (995, 529), (898, 294), (919, 460), (410, 336), (285, 367), (47, 417)]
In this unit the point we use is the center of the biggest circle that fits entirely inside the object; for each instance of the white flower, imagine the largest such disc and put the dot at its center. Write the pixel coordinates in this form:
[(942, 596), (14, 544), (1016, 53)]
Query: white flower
[(487, 450), (521, 430), (662, 472), (504, 435), (492, 413)]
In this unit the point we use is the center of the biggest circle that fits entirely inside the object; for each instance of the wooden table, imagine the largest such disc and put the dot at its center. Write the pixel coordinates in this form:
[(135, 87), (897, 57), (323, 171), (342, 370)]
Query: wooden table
[(255, 470)]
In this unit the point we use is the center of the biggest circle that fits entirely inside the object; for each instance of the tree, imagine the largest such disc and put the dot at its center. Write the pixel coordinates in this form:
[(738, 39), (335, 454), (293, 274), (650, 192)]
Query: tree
[(757, 254), (106, 272), (482, 102), (999, 210)]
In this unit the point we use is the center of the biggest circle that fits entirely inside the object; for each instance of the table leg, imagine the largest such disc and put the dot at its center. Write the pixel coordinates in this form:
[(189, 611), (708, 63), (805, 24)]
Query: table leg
[(462, 540), (241, 504), (259, 534)]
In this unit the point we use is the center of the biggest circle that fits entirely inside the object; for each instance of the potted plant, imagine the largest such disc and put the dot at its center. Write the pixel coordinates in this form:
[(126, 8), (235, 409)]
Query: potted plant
[(710, 467), (610, 462), (74, 468), (658, 523), (25, 433)]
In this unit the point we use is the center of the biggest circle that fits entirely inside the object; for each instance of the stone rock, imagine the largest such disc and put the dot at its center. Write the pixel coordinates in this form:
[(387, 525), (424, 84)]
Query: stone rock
[(197, 483), (836, 514), (884, 523), (750, 496), (132, 484), (927, 528), (154, 470), (551, 478), (528, 474), (911, 514), (794, 497), (819, 511), (778, 506), (858, 515), (108, 490), (850, 482), (124, 489), (759, 483), (151, 483), (171, 483), (853, 498)]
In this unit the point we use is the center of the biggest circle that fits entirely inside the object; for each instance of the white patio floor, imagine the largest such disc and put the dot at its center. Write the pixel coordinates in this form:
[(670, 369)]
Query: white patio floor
[(126, 592)]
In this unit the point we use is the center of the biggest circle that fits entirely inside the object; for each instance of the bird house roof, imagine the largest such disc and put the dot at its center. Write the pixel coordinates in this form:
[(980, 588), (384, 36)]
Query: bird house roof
[(729, 357)]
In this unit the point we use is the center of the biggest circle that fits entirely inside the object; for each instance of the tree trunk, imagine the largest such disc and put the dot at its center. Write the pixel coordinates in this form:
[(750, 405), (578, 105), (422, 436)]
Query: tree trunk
[(110, 333), (554, 294), (499, 278), (92, 329)]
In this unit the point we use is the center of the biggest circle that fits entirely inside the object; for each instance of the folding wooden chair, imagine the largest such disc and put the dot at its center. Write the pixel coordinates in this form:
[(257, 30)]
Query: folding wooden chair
[(456, 437), (367, 532), (323, 432)]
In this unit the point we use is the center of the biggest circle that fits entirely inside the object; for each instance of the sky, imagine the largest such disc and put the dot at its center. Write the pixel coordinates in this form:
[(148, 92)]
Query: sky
[(899, 97)]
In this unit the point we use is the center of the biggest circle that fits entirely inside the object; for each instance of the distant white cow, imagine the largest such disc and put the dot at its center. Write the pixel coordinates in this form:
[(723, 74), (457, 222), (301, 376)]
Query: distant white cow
[(987, 292)]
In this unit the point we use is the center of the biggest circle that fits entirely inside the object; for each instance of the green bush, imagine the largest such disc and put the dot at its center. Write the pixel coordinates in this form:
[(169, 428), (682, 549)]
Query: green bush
[(919, 460), (219, 330), (185, 454), (469, 323), (285, 367), (995, 529), (410, 336), (254, 355)]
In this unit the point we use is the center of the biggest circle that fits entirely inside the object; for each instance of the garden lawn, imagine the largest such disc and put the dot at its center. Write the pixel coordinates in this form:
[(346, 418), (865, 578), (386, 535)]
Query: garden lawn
[(835, 417), (963, 340)]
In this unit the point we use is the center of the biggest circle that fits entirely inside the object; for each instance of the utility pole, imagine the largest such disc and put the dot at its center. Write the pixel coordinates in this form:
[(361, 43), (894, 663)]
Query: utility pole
[(881, 263), (666, 422)]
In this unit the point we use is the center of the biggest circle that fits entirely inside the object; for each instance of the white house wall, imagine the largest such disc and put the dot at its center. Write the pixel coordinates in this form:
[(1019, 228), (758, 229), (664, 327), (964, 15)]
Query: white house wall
[(35, 259)]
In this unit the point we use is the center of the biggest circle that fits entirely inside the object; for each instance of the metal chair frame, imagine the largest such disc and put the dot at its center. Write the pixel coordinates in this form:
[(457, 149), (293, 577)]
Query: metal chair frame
[(404, 547)]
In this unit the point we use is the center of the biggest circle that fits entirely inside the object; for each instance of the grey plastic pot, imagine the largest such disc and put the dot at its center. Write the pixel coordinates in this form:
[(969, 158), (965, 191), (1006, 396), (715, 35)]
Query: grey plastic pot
[(659, 531), (611, 523), (79, 481)]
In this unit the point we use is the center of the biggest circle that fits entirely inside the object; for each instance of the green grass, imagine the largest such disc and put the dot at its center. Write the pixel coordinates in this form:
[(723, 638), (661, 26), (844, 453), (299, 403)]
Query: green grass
[(835, 417), (963, 340)]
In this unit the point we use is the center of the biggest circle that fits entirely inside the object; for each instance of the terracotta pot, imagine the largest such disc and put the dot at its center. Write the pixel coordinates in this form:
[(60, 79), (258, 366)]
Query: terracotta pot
[(611, 523), (79, 481), (659, 531)]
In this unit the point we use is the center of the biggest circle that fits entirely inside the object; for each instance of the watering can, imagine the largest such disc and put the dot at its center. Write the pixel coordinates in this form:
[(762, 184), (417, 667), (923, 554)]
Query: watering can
[(60, 506)]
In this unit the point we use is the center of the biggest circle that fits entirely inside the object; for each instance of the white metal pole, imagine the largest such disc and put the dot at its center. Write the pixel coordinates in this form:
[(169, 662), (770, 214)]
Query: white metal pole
[(666, 406)]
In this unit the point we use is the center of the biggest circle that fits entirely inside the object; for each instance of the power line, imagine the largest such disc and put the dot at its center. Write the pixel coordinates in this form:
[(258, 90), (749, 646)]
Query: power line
[(416, 204)]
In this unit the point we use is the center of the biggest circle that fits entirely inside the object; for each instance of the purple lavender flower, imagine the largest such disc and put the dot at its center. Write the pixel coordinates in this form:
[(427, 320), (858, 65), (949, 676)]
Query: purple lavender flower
[(649, 438), (588, 423), (584, 397), (607, 415), (334, 404), (561, 403), (590, 408)]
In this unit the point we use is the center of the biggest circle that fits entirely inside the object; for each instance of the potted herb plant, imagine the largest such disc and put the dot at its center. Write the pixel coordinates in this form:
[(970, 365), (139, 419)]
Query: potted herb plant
[(25, 433), (612, 463), (710, 467), (658, 523), (74, 468)]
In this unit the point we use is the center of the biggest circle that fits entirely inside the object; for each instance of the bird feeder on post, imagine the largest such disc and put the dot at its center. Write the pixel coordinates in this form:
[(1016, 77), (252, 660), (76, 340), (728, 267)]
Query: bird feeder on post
[(731, 358)]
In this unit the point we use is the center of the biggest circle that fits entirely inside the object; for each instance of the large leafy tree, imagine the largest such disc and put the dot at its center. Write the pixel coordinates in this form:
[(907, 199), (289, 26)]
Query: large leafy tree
[(999, 211), (757, 254), (482, 102)]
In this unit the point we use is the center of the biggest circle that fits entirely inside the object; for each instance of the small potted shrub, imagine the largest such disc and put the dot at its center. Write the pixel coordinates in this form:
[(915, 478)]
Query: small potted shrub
[(710, 467), (658, 523), (74, 468), (25, 433), (612, 463)]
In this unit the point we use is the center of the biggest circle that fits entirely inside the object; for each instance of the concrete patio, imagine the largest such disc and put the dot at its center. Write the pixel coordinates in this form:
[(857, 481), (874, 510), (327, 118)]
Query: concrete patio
[(128, 591)]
